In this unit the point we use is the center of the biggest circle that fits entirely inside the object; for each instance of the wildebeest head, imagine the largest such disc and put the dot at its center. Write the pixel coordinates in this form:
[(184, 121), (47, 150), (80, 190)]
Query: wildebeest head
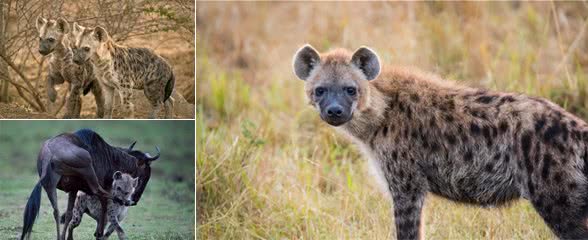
[(51, 33), (143, 169)]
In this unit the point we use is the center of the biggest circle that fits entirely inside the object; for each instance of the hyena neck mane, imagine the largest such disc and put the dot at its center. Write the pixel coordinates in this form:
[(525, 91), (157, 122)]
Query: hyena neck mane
[(105, 52), (404, 96), (62, 48)]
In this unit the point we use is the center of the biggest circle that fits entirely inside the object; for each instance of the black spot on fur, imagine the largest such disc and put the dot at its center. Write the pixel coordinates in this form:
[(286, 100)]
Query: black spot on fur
[(539, 124), (385, 131), (557, 178), (408, 113), (448, 118), (468, 156), (450, 138), (475, 129), (496, 156), (415, 98), (489, 167), (486, 99), (503, 126), (546, 165), (487, 134), (552, 132), (530, 186), (526, 145)]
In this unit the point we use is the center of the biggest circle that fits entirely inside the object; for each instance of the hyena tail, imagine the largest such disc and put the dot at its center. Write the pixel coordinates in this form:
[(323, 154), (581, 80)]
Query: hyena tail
[(169, 86), (31, 210)]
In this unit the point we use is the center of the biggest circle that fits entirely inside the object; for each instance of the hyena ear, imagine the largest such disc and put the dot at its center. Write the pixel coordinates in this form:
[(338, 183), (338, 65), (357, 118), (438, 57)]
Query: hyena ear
[(367, 61), (117, 175), (76, 28), (63, 26), (41, 21), (305, 60), (135, 182), (100, 34)]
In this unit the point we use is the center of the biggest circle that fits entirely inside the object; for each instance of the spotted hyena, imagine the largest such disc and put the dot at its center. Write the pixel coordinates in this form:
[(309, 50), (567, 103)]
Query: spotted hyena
[(123, 186), (423, 134), (123, 69), (54, 40)]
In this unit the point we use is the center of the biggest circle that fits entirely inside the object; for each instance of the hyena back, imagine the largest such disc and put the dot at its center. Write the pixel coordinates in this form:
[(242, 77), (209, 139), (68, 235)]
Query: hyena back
[(54, 40), (426, 135), (123, 69)]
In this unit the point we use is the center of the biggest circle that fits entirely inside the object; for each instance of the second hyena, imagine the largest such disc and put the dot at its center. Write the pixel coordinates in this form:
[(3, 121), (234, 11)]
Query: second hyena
[(123, 186), (424, 135), (54, 40), (122, 69)]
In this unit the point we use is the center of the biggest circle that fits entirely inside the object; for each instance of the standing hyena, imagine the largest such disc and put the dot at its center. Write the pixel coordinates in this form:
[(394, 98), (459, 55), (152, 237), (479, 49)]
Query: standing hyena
[(423, 134), (123, 69), (123, 186), (53, 39)]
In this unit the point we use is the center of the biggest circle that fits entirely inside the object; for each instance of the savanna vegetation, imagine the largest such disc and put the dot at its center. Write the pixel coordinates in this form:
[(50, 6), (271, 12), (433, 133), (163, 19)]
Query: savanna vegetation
[(166, 209), (167, 27), (269, 168)]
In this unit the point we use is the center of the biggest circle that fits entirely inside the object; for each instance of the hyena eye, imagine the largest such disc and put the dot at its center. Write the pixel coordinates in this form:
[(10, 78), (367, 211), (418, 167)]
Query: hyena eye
[(319, 91), (351, 91), (87, 49), (51, 39)]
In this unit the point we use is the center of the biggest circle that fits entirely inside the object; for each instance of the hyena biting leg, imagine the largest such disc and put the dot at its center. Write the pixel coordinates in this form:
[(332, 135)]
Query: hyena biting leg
[(426, 135)]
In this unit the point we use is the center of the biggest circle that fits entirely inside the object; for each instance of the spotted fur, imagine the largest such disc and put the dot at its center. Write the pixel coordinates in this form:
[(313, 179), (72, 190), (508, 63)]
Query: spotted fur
[(54, 40), (426, 135), (123, 186), (122, 69)]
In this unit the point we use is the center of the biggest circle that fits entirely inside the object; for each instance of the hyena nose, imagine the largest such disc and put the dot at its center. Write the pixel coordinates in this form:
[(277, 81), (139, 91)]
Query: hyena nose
[(335, 111)]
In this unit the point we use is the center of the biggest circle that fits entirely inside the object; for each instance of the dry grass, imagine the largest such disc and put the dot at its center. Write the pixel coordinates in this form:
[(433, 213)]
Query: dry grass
[(268, 168)]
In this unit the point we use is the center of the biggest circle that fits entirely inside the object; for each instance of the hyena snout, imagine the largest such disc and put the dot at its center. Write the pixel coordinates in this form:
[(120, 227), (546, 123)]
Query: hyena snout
[(335, 113)]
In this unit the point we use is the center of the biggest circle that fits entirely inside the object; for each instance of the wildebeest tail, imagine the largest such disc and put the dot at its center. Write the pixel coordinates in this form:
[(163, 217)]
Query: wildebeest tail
[(31, 210), (169, 86)]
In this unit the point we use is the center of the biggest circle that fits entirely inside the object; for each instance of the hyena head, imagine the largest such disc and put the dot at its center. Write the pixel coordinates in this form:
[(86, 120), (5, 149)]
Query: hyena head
[(123, 186), (337, 81), (88, 42), (51, 33)]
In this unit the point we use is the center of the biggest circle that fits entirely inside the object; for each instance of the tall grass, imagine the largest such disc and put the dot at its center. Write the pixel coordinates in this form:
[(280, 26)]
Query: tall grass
[(268, 168)]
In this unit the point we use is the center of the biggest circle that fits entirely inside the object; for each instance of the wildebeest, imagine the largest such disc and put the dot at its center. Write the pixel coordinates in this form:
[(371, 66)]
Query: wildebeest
[(83, 161)]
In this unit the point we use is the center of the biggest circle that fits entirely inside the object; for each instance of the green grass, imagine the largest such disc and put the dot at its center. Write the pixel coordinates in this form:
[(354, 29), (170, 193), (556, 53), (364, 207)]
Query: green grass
[(166, 209)]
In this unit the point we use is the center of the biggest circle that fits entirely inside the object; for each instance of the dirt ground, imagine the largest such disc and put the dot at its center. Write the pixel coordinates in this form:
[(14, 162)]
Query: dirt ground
[(175, 50)]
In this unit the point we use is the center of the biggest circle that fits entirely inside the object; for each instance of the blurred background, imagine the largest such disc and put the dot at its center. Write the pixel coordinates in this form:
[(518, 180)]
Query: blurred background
[(166, 209), (167, 27), (269, 168)]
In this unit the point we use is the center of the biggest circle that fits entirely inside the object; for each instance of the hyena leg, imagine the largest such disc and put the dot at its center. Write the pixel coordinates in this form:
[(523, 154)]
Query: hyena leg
[(114, 223), (109, 231), (408, 204), (76, 219), (52, 80), (108, 94), (97, 91), (126, 95), (561, 216), (74, 101), (169, 107)]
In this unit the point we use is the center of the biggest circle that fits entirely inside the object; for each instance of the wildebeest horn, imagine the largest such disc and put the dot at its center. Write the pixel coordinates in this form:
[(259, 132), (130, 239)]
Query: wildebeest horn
[(132, 146), (150, 158)]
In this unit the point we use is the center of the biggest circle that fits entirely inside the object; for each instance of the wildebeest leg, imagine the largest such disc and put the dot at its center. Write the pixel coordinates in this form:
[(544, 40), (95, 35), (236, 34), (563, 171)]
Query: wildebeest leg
[(102, 218), (51, 189), (92, 181), (68, 213)]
